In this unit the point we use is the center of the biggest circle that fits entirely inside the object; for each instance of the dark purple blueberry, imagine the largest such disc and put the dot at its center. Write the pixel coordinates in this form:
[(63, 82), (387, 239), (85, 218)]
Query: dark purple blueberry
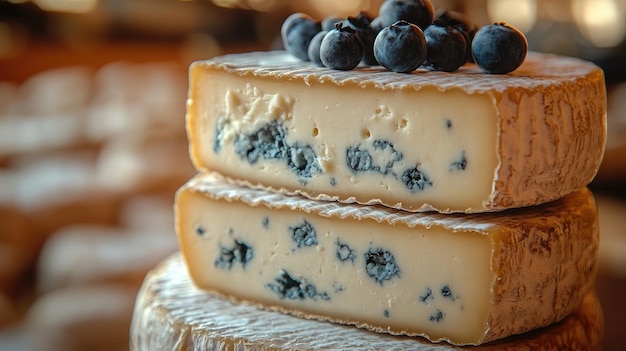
[(499, 48), (329, 22), (445, 47), (314, 48), (296, 32), (377, 24), (458, 20), (400, 47), (462, 23), (341, 48), (418, 12), (361, 24)]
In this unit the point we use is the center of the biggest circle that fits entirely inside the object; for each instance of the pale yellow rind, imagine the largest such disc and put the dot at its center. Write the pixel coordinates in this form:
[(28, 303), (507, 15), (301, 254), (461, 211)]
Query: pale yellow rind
[(172, 314), (547, 136), (542, 263)]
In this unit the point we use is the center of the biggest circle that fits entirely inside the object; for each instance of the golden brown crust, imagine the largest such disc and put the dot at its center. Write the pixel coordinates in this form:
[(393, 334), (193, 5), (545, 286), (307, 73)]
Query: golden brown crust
[(562, 247), (563, 126)]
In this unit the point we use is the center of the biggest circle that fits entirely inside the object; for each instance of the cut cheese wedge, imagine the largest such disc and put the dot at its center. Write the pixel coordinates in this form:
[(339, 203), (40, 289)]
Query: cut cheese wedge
[(464, 141), (465, 279), (172, 314)]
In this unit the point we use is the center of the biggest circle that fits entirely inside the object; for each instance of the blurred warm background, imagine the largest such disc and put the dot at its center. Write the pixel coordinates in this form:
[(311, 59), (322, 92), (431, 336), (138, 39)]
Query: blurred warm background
[(92, 143)]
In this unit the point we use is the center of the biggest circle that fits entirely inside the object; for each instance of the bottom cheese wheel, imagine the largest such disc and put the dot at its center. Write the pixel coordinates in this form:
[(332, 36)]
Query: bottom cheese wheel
[(172, 314), (464, 279)]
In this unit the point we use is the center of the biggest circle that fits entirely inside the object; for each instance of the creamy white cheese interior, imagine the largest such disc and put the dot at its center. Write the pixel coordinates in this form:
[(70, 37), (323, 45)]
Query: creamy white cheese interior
[(169, 306), (464, 141), (433, 280), (467, 279), (358, 143)]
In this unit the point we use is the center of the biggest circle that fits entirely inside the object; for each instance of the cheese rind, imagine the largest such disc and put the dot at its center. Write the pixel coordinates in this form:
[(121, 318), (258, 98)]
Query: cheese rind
[(170, 312), (454, 142), (465, 279)]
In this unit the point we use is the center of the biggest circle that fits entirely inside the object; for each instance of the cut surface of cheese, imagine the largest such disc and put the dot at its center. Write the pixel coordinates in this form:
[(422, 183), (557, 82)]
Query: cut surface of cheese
[(172, 314), (465, 279), (464, 141)]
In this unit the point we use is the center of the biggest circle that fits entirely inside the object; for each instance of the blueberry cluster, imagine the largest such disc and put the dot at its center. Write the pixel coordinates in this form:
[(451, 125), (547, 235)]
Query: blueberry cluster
[(406, 35)]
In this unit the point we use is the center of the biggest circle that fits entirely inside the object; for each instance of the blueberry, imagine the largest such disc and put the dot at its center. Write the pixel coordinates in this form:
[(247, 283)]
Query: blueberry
[(400, 47), (314, 48), (445, 47), (377, 24), (361, 24), (296, 33), (457, 20), (418, 12), (341, 48), (463, 24), (499, 48), (330, 22)]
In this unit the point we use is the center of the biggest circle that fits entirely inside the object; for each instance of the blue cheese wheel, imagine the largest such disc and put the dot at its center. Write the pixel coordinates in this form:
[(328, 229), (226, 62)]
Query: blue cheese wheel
[(464, 141), (171, 313), (465, 279)]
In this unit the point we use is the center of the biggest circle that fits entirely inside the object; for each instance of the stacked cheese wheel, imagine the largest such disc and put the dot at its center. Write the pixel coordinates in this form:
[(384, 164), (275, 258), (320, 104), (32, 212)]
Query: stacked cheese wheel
[(413, 208)]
